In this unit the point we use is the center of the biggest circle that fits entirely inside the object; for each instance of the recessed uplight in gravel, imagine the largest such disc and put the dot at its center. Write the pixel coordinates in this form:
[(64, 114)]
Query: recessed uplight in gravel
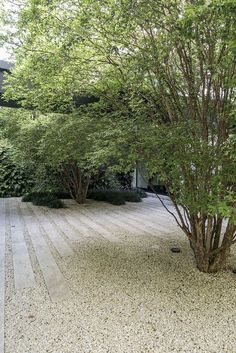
[(175, 250)]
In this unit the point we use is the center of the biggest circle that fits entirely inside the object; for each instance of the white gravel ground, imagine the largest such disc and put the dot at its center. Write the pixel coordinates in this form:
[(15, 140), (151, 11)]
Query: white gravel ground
[(127, 293)]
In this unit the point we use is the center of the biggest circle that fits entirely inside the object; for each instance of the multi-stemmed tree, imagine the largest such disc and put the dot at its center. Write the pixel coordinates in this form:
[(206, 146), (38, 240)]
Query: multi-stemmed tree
[(62, 144)]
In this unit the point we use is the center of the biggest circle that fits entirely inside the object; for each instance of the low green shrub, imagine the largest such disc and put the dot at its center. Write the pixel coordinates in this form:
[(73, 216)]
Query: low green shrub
[(55, 203), (140, 192), (31, 196), (114, 197), (43, 199), (116, 200), (62, 195), (131, 196), (26, 198)]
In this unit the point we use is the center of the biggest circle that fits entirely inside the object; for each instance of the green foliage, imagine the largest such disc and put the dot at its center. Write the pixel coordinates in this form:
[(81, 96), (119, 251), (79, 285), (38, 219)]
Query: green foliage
[(31, 196), (165, 75), (43, 199), (52, 145), (14, 179), (27, 198), (55, 203), (115, 197), (106, 181), (115, 200), (112, 180), (132, 196), (140, 192), (125, 180), (62, 195), (47, 179)]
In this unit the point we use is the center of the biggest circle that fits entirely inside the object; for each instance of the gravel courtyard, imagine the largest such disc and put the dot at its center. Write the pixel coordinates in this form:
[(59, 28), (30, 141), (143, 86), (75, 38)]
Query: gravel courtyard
[(100, 278)]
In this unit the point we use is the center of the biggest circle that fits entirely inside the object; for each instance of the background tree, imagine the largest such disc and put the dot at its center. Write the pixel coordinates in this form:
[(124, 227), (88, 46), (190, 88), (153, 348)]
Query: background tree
[(53, 142)]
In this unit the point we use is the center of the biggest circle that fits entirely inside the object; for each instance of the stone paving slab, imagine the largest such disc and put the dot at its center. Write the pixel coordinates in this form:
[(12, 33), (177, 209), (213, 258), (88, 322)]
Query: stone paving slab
[(116, 222), (52, 232), (23, 272), (57, 287), (142, 222), (62, 224), (95, 226), (83, 230)]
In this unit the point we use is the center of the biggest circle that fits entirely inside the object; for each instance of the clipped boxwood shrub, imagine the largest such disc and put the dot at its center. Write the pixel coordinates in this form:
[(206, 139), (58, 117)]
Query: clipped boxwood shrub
[(27, 198), (62, 195), (140, 192), (43, 199), (30, 197), (117, 200), (131, 196), (114, 197), (55, 203)]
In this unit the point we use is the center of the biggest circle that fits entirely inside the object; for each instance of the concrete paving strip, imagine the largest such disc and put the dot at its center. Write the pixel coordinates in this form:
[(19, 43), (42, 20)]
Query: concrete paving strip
[(57, 287), (2, 271), (158, 212), (110, 220), (137, 222), (129, 222), (82, 227), (153, 225), (23, 272), (143, 221), (52, 232), (158, 222), (159, 208), (95, 226), (61, 223), (149, 204), (102, 219)]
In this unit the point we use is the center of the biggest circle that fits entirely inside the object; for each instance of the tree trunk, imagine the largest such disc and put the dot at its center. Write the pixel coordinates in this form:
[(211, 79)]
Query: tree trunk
[(210, 264), (76, 182), (82, 191), (210, 245)]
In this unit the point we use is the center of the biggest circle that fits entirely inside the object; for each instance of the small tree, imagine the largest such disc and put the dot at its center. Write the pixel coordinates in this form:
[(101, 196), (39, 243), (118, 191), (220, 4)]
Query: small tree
[(177, 62), (63, 143), (66, 145)]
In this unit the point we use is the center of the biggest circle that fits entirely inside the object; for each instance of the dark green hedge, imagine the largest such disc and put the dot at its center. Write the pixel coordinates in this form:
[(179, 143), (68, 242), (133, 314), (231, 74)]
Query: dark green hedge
[(115, 197), (43, 199)]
